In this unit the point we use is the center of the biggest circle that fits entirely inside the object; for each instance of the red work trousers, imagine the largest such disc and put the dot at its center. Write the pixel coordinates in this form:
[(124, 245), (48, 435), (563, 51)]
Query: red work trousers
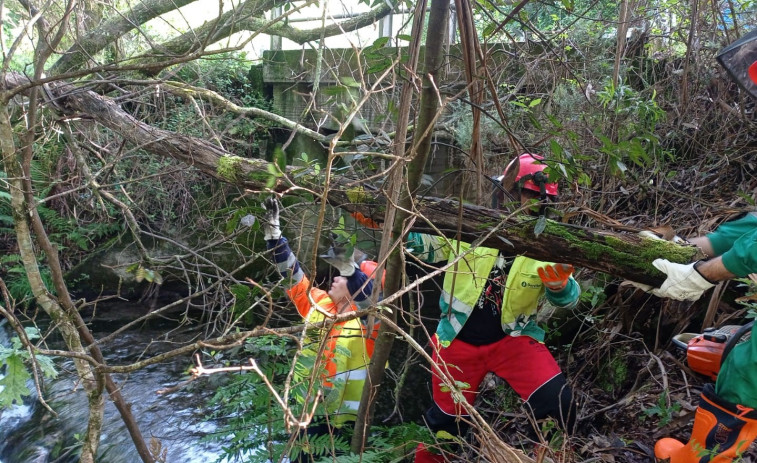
[(525, 363)]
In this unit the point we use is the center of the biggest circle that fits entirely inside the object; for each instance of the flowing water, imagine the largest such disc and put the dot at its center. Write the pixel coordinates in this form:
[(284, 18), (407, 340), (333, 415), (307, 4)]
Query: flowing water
[(175, 421)]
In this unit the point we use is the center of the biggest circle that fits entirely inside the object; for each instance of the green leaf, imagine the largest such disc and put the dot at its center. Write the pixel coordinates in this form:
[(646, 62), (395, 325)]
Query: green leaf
[(556, 148), (281, 161), (349, 81), (334, 90), (341, 350), (32, 332), (13, 385), (541, 224), (534, 120), (380, 42), (379, 66), (272, 169), (47, 366)]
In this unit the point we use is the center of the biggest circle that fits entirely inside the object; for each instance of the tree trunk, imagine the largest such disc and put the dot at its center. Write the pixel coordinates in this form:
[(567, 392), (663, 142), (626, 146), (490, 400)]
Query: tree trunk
[(402, 185), (61, 310), (26, 249), (247, 16), (621, 254)]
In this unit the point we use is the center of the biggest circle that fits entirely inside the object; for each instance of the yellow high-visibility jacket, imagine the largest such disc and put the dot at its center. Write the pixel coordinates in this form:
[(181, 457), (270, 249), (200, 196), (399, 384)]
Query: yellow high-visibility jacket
[(346, 347), (464, 283)]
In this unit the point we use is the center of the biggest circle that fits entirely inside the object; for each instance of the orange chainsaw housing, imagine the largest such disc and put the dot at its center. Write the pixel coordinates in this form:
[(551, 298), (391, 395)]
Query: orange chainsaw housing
[(704, 352)]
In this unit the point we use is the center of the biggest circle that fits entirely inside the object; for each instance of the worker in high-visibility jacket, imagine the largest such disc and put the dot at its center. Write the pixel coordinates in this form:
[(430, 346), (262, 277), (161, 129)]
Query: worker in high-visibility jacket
[(346, 348), (488, 305)]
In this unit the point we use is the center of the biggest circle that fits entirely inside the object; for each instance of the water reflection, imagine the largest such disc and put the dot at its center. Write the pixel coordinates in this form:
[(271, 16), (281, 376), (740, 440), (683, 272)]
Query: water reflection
[(173, 424)]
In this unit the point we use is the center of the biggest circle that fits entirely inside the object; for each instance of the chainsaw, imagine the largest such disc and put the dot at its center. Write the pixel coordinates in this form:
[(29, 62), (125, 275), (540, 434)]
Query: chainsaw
[(706, 351)]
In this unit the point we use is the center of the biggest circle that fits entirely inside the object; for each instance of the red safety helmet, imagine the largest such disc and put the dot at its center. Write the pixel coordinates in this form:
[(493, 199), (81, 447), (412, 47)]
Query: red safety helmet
[(530, 174)]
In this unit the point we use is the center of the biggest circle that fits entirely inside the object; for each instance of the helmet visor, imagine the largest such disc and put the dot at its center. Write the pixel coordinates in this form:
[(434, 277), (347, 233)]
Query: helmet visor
[(739, 59)]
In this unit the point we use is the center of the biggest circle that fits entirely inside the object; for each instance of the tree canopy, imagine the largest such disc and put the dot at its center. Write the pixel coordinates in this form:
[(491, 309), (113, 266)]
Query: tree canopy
[(118, 122)]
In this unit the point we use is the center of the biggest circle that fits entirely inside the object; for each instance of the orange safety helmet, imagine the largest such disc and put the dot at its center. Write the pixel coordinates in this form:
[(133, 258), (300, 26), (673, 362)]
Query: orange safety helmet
[(530, 174)]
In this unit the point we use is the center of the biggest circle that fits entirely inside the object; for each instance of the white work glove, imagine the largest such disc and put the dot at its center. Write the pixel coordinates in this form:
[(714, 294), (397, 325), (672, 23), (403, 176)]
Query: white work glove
[(684, 282), (654, 236), (337, 257), (271, 226)]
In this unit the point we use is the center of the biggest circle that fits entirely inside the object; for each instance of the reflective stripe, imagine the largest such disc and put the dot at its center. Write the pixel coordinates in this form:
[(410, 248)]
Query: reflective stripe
[(287, 264), (456, 325), (352, 375), (456, 304), (455, 311), (292, 267), (351, 404), (297, 277)]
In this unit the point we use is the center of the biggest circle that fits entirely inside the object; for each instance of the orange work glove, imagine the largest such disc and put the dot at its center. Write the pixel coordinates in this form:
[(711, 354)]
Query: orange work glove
[(365, 221), (555, 276)]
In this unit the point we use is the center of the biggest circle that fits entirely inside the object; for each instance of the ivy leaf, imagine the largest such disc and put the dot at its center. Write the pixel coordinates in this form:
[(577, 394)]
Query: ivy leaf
[(13, 385)]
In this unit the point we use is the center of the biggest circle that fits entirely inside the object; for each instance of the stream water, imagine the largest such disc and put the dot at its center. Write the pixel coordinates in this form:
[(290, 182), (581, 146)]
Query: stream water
[(176, 420)]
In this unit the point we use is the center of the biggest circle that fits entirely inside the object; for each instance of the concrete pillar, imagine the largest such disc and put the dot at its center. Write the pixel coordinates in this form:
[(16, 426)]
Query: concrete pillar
[(452, 32), (385, 26), (275, 39)]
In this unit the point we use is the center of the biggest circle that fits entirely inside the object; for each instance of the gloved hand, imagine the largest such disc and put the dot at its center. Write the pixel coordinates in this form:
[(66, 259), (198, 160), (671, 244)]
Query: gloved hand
[(555, 276), (684, 282), (337, 257), (654, 236), (365, 221), (271, 226)]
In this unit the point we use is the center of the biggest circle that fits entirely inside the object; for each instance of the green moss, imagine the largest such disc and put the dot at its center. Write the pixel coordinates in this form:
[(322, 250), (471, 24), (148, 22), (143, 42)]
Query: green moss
[(622, 252), (614, 373), (228, 167), (358, 195), (259, 176)]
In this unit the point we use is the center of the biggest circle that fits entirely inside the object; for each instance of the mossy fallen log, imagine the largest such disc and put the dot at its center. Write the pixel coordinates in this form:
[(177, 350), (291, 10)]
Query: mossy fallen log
[(624, 255)]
